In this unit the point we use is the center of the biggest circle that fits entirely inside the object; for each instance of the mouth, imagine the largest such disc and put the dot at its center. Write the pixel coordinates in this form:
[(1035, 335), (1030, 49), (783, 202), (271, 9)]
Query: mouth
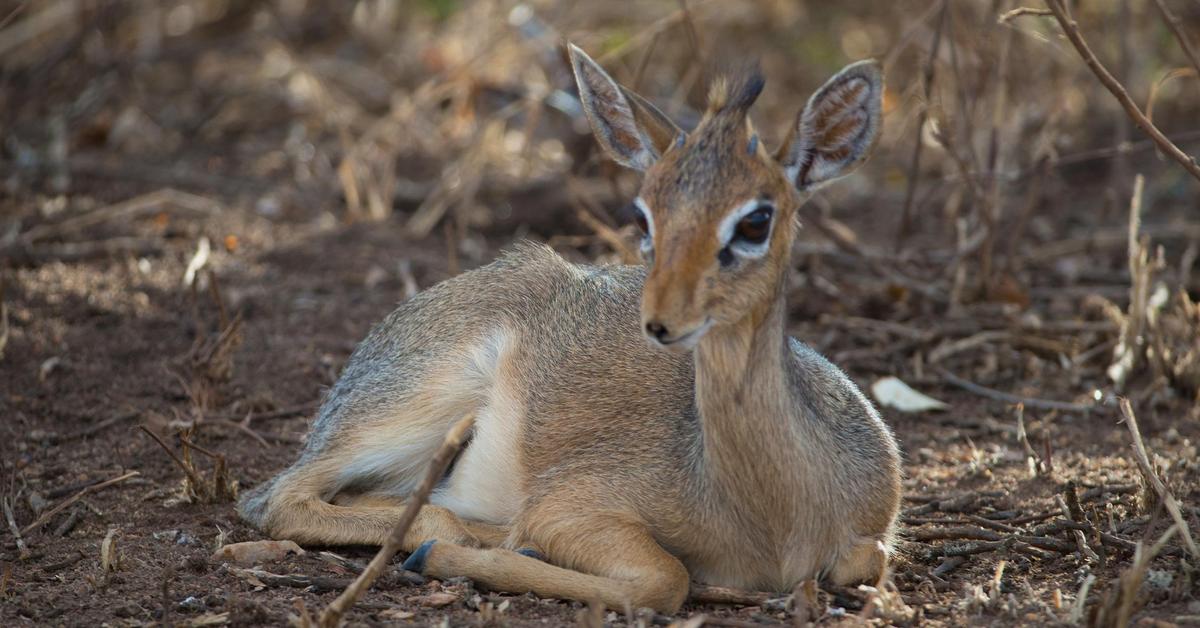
[(688, 340)]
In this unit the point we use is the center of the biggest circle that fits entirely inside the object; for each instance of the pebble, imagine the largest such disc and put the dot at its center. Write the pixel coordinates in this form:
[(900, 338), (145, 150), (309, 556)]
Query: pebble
[(192, 604)]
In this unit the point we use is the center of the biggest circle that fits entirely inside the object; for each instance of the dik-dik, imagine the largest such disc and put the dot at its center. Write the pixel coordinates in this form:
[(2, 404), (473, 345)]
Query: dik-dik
[(635, 426)]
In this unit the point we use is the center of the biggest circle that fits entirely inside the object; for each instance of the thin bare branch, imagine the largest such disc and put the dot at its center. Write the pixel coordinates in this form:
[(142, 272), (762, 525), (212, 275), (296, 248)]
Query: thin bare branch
[(1143, 460), (1030, 402), (1022, 11), (915, 163), (1071, 29), (46, 516), (332, 615), (1176, 26)]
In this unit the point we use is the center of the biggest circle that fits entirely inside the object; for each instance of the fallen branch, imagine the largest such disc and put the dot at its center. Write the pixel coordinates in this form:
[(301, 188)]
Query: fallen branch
[(1071, 30), (708, 594), (331, 617), (70, 522), (1143, 460), (954, 532), (158, 200), (1081, 543), (1030, 402), (92, 429), (46, 516), (79, 251), (317, 584)]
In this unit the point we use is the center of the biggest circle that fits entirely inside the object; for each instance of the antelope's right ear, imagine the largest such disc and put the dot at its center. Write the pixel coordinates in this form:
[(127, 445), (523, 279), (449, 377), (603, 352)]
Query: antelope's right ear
[(630, 129)]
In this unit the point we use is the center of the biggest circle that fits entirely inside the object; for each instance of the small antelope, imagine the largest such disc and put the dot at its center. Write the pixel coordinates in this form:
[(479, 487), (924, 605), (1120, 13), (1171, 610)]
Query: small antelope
[(635, 427)]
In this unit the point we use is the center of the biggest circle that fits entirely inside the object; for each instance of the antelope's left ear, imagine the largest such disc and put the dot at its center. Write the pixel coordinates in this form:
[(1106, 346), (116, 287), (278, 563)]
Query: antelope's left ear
[(837, 128)]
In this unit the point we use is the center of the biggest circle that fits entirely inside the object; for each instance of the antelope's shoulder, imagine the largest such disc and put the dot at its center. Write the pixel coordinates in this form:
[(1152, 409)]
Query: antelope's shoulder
[(826, 391)]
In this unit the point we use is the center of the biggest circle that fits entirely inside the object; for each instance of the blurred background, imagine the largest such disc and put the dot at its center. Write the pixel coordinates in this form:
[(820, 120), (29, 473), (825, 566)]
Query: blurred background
[(446, 119), (206, 203)]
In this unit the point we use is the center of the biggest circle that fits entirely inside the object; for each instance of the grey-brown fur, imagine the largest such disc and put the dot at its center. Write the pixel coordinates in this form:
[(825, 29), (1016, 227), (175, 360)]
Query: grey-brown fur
[(588, 354), (721, 450)]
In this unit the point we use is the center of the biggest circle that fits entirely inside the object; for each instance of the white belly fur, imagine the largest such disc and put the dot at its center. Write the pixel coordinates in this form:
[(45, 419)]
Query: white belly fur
[(486, 484)]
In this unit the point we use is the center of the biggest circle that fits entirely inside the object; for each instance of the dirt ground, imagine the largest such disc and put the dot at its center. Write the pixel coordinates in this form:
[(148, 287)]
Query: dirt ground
[(258, 136)]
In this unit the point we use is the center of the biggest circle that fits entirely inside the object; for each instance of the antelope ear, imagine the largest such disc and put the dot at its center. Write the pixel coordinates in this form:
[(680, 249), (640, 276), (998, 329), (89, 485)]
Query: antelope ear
[(837, 128), (630, 129)]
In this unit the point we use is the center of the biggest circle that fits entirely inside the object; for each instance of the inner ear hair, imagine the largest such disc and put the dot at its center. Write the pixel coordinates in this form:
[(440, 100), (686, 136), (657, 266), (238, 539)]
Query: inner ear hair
[(837, 128), (662, 132), (632, 131)]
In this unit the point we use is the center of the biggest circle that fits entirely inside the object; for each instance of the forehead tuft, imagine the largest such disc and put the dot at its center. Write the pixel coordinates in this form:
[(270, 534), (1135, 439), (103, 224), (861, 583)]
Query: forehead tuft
[(735, 92)]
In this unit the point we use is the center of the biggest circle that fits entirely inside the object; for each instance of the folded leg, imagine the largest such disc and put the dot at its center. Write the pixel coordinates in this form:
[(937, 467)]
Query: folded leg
[(612, 559)]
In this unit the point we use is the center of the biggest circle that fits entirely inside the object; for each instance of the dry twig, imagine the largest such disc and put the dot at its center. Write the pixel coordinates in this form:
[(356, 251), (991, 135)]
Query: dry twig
[(1020, 11), (22, 549), (927, 91), (1176, 25), (332, 615), (46, 516), (316, 584), (1080, 540), (1117, 606), (1143, 461), (1031, 402), (708, 594), (1071, 29)]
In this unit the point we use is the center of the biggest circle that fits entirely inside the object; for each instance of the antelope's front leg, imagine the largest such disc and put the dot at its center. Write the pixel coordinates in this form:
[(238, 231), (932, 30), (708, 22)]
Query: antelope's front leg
[(608, 558)]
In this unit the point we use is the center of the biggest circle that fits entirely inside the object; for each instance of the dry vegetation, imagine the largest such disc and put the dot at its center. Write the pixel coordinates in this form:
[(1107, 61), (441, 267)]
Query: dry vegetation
[(206, 203)]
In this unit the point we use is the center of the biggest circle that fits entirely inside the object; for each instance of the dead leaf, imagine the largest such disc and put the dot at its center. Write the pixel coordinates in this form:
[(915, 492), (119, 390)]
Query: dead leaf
[(396, 614), (893, 393), (108, 552), (254, 552), (198, 261)]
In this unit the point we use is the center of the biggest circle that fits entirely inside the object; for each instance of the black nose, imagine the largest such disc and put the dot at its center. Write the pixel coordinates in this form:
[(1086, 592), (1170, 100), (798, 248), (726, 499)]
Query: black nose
[(656, 329)]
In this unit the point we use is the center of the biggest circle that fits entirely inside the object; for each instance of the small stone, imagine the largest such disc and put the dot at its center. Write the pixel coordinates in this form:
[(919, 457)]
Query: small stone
[(1159, 579), (128, 610), (37, 503), (191, 604)]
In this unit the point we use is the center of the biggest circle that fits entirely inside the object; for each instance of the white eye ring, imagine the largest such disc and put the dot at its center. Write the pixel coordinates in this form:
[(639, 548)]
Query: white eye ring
[(647, 243), (726, 231), (642, 207)]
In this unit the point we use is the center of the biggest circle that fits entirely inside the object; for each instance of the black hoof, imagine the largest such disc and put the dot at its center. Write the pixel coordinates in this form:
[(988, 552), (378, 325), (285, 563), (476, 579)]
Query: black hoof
[(416, 560), (532, 553)]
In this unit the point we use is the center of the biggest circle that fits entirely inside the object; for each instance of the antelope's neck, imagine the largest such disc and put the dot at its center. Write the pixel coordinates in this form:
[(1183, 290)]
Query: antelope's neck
[(744, 405)]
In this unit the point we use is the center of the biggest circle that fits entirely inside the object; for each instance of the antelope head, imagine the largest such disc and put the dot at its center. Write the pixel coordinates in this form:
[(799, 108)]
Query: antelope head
[(716, 208)]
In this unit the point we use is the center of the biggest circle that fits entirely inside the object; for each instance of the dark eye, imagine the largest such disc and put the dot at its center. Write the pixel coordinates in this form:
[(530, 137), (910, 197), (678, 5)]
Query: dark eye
[(639, 218), (755, 226)]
